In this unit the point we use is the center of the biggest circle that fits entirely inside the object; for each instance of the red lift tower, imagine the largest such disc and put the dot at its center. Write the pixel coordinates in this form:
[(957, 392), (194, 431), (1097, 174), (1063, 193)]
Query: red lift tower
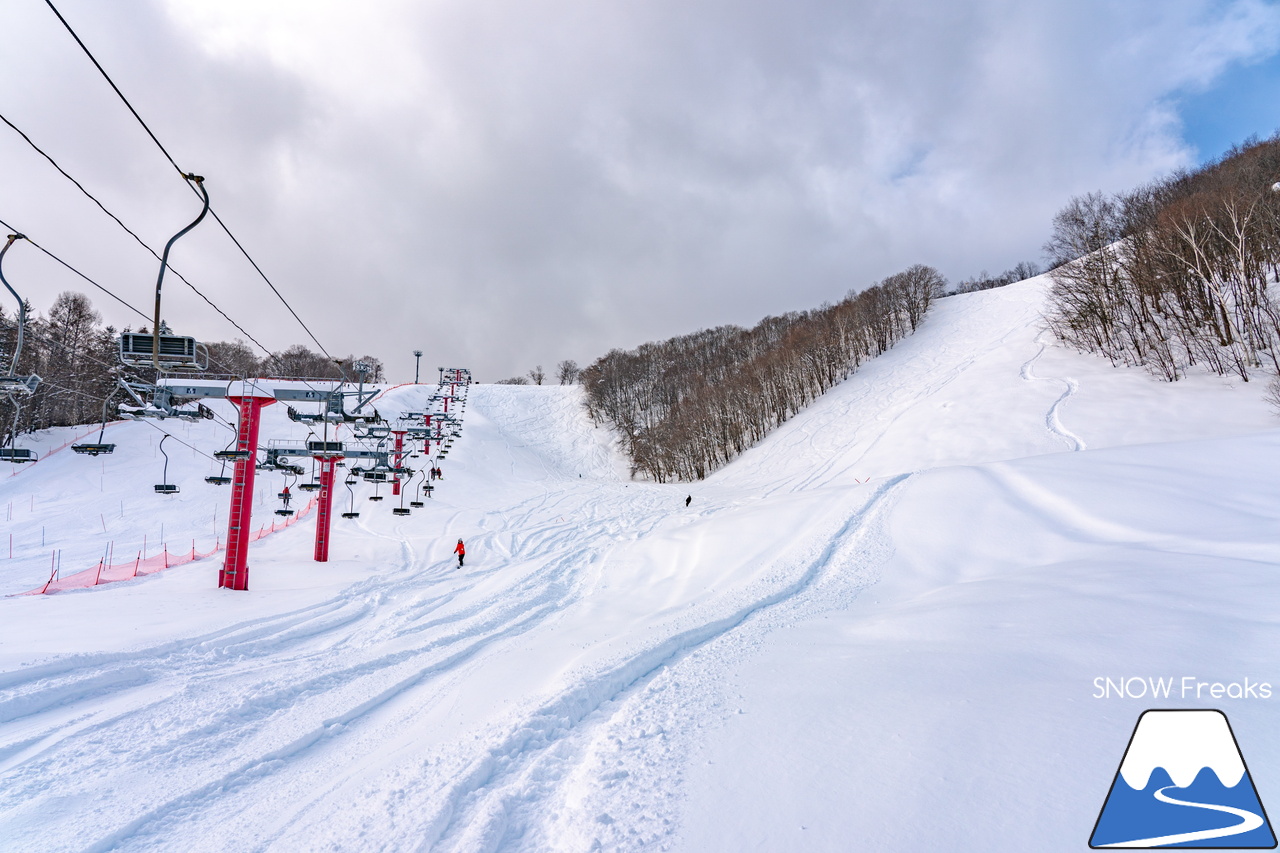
[(235, 568), (399, 463), (327, 453)]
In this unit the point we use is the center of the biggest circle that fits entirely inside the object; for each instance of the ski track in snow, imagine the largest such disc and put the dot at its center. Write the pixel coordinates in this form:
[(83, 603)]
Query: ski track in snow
[(222, 723), (1052, 420)]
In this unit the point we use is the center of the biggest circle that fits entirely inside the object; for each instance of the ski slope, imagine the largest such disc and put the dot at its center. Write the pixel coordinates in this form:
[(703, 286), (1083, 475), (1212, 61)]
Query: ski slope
[(879, 629)]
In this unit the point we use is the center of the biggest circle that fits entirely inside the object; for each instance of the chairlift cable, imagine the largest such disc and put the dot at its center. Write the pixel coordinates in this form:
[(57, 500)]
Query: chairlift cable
[(175, 165), (66, 349), (77, 272), (114, 87), (269, 354), (180, 441), (100, 287), (131, 233), (50, 341)]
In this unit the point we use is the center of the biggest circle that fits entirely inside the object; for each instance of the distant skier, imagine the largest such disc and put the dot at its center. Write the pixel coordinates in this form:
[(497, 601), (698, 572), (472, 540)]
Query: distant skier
[(688, 500), (461, 551), (286, 497)]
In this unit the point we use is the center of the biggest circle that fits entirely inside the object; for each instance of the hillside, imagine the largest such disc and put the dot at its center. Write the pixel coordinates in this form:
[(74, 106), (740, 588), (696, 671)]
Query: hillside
[(877, 629)]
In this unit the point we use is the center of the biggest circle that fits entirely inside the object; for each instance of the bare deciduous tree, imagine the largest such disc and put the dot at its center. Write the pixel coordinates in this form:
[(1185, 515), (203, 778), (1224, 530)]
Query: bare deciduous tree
[(686, 406), (1176, 273), (568, 372)]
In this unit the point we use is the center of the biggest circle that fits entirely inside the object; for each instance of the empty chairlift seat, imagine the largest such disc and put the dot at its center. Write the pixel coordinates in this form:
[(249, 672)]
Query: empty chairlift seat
[(19, 384), (93, 449)]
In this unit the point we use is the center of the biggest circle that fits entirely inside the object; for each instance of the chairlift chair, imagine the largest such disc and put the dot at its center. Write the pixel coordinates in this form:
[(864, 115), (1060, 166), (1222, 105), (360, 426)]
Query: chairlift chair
[(166, 488), (12, 453), (286, 497), (349, 482), (313, 485), (225, 455), (162, 349), (12, 385), (94, 449), (10, 382), (98, 448)]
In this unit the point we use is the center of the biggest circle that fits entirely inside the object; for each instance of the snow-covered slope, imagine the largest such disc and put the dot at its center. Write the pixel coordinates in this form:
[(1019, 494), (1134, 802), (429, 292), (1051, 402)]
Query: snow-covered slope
[(879, 629)]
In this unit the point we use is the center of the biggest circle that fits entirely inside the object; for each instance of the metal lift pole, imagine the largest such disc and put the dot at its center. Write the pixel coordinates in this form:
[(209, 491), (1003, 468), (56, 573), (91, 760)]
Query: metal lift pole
[(235, 568), (324, 513)]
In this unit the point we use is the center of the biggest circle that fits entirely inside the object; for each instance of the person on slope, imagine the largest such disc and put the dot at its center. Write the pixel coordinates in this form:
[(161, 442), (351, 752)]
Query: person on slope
[(286, 497), (461, 551), (688, 500)]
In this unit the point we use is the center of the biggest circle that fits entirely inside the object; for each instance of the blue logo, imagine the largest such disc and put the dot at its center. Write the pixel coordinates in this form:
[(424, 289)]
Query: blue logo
[(1183, 783)]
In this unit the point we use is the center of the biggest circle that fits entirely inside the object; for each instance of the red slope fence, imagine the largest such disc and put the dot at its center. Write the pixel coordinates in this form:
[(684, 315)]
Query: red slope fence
[(109, 572)]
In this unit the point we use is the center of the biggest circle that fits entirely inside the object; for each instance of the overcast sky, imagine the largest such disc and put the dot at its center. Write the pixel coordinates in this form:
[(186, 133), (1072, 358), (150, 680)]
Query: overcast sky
[(504, 184)]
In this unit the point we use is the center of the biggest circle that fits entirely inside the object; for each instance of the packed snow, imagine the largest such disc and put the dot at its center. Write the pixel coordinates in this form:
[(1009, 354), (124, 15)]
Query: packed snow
[(883, 628)]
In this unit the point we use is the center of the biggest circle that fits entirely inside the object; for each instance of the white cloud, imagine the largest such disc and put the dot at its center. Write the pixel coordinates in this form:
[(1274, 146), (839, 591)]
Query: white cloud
[(504, 184)]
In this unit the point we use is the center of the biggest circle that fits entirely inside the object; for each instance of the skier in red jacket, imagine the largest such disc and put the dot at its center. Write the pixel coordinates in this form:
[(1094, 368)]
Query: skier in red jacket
[(461, 551)]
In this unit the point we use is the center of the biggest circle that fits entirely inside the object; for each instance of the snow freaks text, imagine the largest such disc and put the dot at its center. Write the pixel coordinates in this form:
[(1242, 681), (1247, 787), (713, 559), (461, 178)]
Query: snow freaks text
[(1185, 687)]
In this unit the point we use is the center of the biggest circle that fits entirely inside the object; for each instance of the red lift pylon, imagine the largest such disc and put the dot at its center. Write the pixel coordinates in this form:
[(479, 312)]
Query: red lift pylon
[(399, 434), (235, 568), (324, 514)]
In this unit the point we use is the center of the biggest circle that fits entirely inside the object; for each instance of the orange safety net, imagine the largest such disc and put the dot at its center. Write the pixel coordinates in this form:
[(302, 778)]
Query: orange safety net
[(111, 572)]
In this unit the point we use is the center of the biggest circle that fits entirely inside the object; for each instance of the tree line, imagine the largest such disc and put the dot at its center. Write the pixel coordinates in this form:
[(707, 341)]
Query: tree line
[(687, 406), (1178, 272), (77, 359), (985, 281), (567, 372)]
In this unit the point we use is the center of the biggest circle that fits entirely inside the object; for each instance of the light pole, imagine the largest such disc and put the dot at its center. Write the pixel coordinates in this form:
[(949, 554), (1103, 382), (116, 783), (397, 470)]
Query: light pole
[(417, 360)]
